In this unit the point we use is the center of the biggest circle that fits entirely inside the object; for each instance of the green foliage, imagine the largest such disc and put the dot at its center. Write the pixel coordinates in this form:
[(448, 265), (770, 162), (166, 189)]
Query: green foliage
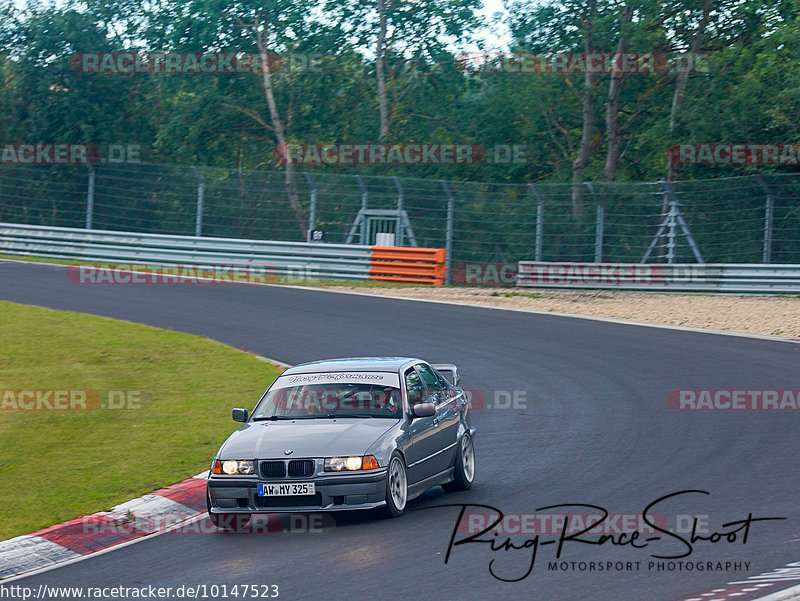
[(746, 90), (325, 87)]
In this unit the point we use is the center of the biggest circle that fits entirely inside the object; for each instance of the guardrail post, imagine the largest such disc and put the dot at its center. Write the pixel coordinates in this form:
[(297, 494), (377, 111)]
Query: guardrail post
[(312, 212), (448, 240), (769, 210), (398, 232), (201, 192), (537, 254), (90, 197), (598, 228)]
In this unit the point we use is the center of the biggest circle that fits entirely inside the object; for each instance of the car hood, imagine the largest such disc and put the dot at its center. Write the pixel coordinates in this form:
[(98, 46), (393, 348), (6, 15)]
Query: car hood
[(305, 438)]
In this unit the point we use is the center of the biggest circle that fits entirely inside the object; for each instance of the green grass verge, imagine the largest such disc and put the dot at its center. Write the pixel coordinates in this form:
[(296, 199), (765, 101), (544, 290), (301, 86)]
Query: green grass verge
[(58, 465)]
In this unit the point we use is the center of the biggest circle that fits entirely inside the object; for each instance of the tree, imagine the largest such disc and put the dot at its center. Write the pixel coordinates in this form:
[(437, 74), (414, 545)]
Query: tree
[(404, 34)]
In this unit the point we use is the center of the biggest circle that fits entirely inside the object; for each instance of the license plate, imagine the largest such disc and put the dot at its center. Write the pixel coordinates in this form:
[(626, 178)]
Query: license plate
[(286, 490)]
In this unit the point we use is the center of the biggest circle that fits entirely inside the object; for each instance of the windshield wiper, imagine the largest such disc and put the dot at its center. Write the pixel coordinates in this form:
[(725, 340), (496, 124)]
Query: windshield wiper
[(290, 417), (264, 418), (360, 415), (331, 416)]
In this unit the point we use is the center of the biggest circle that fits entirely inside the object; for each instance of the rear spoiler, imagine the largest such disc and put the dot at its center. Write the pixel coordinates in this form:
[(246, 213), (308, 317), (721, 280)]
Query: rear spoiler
[(449, 371)]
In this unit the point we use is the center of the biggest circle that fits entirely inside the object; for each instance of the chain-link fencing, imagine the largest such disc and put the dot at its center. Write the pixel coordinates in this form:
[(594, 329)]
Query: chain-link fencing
[(748, 219)]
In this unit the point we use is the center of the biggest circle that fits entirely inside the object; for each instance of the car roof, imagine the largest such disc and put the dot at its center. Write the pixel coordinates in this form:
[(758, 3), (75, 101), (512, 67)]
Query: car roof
[(351, 363)]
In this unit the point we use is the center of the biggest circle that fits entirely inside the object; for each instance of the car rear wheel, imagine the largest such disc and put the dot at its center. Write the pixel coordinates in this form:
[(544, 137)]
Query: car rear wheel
[(233, 522), (464, 470), (396, 487)]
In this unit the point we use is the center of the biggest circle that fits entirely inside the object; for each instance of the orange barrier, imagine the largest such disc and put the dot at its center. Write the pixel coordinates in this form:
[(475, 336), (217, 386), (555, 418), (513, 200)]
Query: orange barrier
[(408, 265)]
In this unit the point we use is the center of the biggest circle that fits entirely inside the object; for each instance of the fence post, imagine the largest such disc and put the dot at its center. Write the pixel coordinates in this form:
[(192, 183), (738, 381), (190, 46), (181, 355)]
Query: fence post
[(537, 253), (598, 228), (672, 223), (90, 197), (448, 240), (671, 233), (201, 192), (598, 233), (769, 211), (312, 213), (398, 233), (364, 204)]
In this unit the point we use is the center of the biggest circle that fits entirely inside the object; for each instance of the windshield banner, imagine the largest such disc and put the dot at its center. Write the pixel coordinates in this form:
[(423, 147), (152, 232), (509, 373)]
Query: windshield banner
[(386, 379)]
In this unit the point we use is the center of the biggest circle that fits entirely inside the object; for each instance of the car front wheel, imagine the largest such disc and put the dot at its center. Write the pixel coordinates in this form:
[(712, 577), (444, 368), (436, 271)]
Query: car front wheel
[(396, 487), (464, 469)]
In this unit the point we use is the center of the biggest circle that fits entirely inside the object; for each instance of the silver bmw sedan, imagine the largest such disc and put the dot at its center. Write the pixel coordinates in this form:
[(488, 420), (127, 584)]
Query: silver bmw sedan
[(344, 434)]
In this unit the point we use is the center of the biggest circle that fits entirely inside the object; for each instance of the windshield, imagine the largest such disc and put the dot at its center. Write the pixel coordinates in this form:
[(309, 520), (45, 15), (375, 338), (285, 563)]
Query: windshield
[(328, 398)]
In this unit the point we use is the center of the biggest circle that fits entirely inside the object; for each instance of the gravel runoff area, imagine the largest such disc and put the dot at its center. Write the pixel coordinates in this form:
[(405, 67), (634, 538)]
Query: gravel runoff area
[(768, 315)]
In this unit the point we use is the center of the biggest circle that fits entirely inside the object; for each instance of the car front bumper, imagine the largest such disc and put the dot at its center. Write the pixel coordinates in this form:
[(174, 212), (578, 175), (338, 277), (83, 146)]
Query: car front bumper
[(335, 492)]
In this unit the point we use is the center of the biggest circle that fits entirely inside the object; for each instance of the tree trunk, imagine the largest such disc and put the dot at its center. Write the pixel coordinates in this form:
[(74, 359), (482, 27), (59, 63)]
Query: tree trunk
[(682, 80), (380, 75), (588, 116), (612, 107), (278, 129)]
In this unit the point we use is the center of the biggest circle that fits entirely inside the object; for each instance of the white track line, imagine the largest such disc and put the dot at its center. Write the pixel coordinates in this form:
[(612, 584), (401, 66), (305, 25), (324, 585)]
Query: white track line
[(789, 594)]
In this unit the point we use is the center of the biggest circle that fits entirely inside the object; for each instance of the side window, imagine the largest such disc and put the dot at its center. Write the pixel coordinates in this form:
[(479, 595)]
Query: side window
[(437, 392), (415, 387)]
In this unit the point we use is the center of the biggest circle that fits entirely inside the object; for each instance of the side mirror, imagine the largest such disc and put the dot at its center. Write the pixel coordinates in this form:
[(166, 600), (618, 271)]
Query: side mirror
[(240, 415), (449, 371), (423, 410)]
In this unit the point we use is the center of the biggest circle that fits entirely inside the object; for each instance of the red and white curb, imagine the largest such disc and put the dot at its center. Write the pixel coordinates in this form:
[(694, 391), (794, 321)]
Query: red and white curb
[(90, 534), (769, 586)]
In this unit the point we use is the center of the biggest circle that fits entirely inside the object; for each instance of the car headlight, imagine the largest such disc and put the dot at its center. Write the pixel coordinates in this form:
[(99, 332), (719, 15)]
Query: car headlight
[(351, 464), (233, 467)]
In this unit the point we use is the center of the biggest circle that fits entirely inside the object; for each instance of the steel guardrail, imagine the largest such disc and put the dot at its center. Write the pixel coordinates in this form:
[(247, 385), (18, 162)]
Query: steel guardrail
[(300, 260), (289, 259), (740, 278)]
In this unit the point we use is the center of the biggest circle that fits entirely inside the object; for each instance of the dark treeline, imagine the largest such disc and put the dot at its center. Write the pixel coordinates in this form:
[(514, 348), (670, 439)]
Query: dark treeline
[(393, 71)]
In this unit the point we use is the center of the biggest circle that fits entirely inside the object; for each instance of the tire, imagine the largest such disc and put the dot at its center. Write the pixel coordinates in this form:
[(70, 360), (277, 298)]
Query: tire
[(464, 466), (230, 522), (396, 487)]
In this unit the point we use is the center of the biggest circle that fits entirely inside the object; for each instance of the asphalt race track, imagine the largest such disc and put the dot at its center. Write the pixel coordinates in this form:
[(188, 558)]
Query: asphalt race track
[(596, 430)]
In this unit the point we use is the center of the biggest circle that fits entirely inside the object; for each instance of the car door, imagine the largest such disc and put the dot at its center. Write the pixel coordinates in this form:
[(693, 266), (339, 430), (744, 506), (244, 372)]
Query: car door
[(421, 435), (441, 395)]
